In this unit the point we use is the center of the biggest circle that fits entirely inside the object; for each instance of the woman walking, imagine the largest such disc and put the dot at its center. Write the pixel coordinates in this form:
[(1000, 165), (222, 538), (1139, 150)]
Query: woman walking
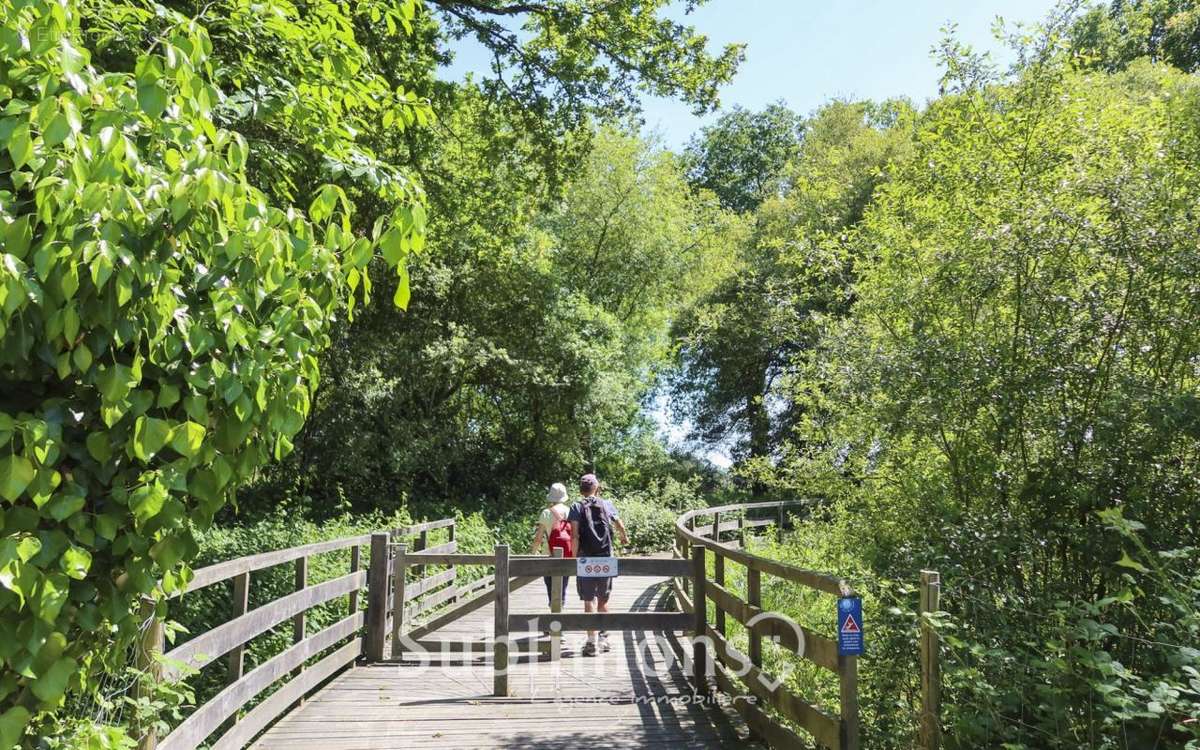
[(552, 526)]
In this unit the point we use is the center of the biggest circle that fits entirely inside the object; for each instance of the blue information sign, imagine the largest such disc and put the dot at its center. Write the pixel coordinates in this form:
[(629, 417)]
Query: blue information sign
[(850, 626)]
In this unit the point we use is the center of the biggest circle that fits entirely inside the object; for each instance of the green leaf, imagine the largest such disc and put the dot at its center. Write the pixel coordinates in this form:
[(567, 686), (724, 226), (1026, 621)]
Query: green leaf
[(72, 59), (115, 383), (188, 439), (402, 291), (51, 686), (52, 595), (82, 357), (393, 246), (152, 98), (147, 501), (99, 446), (107, 526), (168, 395), (12, 725), (20, 145), (149, 436), (18, 236), (28, 547), (16, 472), (57, 131), (76, 562), (1128, 562), (70, 324)]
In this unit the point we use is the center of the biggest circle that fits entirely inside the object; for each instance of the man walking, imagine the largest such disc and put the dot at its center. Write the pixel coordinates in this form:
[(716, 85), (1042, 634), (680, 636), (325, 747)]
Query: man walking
[(593, 520)]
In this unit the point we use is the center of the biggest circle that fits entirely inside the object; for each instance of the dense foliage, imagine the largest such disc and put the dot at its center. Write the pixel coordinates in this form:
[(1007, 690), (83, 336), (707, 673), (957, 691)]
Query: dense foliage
[(1009, 395), (532, 339), (160, 323), (972, 329), (738, 344)]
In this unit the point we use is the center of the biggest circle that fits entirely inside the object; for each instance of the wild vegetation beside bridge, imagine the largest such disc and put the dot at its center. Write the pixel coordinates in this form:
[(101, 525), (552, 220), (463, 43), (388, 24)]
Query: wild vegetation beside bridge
[(268, 275)]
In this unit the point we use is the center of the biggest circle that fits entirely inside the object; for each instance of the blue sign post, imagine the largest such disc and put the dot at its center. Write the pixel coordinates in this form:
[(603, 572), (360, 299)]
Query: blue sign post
[(850, 626)]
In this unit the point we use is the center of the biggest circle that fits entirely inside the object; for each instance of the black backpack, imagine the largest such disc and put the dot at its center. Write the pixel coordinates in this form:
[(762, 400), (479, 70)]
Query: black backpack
[(595, 529)]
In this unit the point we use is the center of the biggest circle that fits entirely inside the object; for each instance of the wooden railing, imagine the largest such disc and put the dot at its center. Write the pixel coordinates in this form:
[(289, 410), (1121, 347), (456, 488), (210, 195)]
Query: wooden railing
[(698, 532), (742, 675), (230, 639), (408, 581)]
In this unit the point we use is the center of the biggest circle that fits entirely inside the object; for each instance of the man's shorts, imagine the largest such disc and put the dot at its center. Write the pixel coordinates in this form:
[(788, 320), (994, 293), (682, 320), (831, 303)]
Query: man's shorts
[(594, 588)]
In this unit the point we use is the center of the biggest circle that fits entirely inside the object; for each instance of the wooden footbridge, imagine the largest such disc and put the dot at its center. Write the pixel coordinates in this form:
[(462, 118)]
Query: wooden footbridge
[(432, 657)]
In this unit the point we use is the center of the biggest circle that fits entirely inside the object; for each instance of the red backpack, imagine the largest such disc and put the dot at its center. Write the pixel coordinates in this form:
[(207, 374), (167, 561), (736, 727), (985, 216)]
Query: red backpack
[(560, 537)]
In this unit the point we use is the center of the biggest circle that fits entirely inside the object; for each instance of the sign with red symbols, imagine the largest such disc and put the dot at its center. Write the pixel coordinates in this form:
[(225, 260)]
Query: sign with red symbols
[(596, 567)]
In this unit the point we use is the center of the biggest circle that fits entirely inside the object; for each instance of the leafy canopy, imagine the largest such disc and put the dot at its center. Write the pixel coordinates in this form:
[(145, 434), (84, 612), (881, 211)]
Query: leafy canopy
[(160, 319)]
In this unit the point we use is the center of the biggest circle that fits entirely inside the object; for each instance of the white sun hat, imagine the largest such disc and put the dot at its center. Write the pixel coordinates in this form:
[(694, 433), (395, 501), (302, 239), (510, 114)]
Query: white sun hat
[(557, 493)]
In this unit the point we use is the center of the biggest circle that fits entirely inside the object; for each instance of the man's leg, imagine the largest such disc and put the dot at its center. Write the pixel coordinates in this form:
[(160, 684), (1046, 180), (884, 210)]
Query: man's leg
[(602, 606), (589, 648)]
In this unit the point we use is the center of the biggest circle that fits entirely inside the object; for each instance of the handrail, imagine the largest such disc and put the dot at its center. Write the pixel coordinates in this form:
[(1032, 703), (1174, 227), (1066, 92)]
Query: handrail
[(334, 647), (825, 582), (393, 601), (837, 732), (227, 569), (223, 571)]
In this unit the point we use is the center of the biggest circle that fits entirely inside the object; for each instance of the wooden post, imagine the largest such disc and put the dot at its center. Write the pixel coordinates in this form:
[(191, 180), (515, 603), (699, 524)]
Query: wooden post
[(421, 545), (848, 684), (377, 595), (687, 581), (700, 622), (779, 525), (716, 527), (450, 539), (399, 573), (355, 562), (241, 603), (931, 671), (298, 629), (150, 646), (556, 604), (719, 579), (500, 630), (754, 599), (744, 531)]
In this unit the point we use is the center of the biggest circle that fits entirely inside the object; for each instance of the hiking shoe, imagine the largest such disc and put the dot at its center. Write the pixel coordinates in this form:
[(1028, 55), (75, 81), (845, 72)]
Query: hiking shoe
[(589, 648)]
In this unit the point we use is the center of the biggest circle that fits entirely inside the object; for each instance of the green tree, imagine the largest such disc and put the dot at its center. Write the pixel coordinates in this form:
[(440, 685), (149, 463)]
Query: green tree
[(1112, 37), (742, 157), (532, 337), (740, 344), (160, 321), (1017, 371)]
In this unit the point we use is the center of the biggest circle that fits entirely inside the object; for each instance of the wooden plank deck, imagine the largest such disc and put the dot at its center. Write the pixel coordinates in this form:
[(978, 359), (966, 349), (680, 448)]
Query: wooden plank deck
[(637, 695)]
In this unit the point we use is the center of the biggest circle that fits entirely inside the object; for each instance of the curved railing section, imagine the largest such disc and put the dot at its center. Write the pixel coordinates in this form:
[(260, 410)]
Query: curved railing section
[(338, 645), (725, 533)]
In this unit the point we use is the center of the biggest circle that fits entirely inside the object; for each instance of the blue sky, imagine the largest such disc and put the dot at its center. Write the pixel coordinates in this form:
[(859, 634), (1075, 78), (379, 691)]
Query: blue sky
[(806, 52)]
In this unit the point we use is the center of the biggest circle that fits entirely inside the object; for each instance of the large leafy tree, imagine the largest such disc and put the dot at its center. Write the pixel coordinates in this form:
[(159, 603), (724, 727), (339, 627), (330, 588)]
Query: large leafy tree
[(531, 338), (465, 400), (1019, 371), (1113, 35), (743, 156), (160, 320), (739, 345)]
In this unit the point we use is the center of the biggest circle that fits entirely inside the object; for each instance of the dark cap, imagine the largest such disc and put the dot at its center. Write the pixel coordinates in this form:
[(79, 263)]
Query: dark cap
[(588, 482)]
